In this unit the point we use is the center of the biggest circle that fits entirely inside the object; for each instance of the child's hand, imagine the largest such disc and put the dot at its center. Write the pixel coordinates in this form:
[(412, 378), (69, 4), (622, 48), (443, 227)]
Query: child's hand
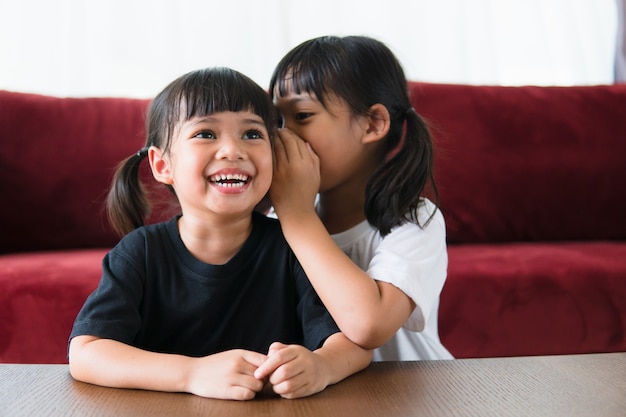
[(296, 178), (293, 370), (226, 375)]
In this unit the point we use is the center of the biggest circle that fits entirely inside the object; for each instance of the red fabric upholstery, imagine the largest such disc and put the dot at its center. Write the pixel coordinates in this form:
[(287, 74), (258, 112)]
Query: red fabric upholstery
[(528, 163), (57, 159), (40, 295), (531, 184), (56, 162), (531, 181), (518, 299)]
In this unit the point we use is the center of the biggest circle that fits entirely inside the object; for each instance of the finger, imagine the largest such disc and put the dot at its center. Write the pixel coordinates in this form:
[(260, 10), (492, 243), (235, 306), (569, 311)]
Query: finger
[(288, 374), (313, 155), (244, 388), (311, 151), (279, 148), (275, 347), (293, 388), (291, 380), (268, 367), (254, 358), (273, 362), (293, 144), (241, 394)]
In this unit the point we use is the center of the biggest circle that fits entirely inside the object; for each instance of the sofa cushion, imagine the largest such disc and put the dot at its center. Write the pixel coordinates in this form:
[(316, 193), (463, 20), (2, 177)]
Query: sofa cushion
[(528, 163), (40, 298), (534, 299), (56, 162)]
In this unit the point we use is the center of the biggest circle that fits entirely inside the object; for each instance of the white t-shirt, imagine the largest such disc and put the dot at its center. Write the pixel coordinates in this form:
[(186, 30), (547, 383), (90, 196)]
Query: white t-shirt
[(416, 261)]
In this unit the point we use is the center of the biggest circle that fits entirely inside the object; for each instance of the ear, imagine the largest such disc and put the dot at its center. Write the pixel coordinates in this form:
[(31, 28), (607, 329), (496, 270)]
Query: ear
[(377, 123), (160, 165)]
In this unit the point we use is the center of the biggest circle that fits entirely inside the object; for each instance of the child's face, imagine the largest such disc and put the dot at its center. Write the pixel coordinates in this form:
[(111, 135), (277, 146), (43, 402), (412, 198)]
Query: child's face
[(220, 163), (334, 134)]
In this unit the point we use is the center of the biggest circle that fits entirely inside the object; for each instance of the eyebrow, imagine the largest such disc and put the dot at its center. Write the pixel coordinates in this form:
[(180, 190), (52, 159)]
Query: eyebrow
[(255, 121), (302, 97), (209, 119)]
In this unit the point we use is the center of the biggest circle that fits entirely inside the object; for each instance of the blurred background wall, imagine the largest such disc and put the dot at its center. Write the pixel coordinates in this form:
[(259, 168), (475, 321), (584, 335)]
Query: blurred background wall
[(135, 47)]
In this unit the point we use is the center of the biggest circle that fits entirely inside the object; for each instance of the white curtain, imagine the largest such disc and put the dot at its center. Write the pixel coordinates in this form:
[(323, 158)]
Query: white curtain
[(620, 47), (134, 47)]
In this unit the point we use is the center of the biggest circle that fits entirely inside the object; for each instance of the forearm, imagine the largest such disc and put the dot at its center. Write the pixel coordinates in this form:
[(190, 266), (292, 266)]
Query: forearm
[(354, 299), (342, 358), (110, 363)]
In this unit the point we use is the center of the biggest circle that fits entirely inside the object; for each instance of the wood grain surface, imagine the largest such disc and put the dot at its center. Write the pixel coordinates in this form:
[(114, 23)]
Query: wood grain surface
[(571, 385)]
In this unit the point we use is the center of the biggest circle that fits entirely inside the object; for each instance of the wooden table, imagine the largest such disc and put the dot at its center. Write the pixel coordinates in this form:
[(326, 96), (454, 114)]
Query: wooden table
[(572, 385)]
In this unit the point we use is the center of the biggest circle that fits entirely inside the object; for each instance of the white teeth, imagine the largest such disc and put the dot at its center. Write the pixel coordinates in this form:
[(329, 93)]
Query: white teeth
[(230, 184), (219, 178)]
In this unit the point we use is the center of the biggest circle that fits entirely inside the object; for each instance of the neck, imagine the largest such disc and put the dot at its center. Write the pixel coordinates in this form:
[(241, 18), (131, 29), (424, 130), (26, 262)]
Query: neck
[(343, 206), (214, 242), (340, 211)]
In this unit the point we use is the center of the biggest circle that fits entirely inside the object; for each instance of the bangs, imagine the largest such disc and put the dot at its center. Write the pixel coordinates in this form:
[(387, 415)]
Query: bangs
[(222, 90), (216, 90), (301, 78), (202, 93), (306, 70)]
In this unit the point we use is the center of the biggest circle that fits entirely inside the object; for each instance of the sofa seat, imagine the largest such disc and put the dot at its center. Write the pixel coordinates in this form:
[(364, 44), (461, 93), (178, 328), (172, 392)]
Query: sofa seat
[(542, 298), (41, 295)]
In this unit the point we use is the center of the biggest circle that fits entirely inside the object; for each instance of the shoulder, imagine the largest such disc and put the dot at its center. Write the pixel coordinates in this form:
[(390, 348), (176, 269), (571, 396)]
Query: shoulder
[(269, 242), (269, 227), (430, 221), (428, 213), (148, 233), (153, 238), (409, 236)]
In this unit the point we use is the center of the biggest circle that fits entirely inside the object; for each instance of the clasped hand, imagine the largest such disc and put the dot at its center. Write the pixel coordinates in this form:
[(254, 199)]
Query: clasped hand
[(293, 371)]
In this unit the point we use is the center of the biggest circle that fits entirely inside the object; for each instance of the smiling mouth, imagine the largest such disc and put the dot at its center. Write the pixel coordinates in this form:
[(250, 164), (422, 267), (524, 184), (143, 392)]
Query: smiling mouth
[(229, 180)]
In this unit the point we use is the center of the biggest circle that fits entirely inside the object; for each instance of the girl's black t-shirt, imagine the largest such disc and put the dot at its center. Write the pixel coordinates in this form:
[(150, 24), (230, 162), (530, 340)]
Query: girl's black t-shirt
[(155, 295)]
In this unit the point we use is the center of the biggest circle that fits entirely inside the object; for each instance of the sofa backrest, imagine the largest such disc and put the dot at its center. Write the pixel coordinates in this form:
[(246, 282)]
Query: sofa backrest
[(57, 158), (512, 163), (528, 163)]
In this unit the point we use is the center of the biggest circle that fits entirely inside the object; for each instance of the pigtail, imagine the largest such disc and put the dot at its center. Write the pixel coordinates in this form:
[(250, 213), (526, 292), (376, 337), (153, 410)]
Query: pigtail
[(127, 203), (394, 192)]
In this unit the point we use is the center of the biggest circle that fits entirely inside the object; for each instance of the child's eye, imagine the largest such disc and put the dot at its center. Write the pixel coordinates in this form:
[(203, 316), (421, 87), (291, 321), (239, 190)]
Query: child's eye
[(302, 116), (253, 134), (205, 134)]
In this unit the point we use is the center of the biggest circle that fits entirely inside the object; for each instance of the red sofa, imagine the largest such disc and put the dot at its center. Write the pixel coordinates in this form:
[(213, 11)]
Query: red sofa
[(532, 185)]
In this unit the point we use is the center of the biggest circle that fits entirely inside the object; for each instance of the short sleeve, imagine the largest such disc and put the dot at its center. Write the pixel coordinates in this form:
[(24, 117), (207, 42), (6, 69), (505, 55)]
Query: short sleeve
[(112, 310), (415, 260), (317, 323)]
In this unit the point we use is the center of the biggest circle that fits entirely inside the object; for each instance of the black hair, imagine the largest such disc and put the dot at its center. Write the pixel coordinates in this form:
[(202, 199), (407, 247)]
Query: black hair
[(363, 71), (195, 94)]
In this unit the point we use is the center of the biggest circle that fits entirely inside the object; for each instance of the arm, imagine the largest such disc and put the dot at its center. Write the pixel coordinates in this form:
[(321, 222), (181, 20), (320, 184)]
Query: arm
[(226, 375), (295, 372), (355, 300)]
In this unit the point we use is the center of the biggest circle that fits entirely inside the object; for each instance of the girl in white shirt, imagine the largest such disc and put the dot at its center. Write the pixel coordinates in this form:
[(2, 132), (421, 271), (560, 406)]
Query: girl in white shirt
[(372, 245)]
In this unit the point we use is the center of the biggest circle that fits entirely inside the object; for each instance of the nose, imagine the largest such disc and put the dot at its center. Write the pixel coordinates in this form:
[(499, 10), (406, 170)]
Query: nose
[(231, 148)]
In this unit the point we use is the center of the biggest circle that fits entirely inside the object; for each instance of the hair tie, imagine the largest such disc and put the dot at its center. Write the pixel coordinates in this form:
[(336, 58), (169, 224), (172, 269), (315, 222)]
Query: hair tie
[(409, 111), (142, 153)]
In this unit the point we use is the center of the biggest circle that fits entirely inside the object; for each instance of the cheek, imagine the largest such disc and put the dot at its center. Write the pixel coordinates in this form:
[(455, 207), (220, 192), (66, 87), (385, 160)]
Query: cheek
[(328, 151), (309, 133), (328, 164), (324, 138), (265, 166)]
